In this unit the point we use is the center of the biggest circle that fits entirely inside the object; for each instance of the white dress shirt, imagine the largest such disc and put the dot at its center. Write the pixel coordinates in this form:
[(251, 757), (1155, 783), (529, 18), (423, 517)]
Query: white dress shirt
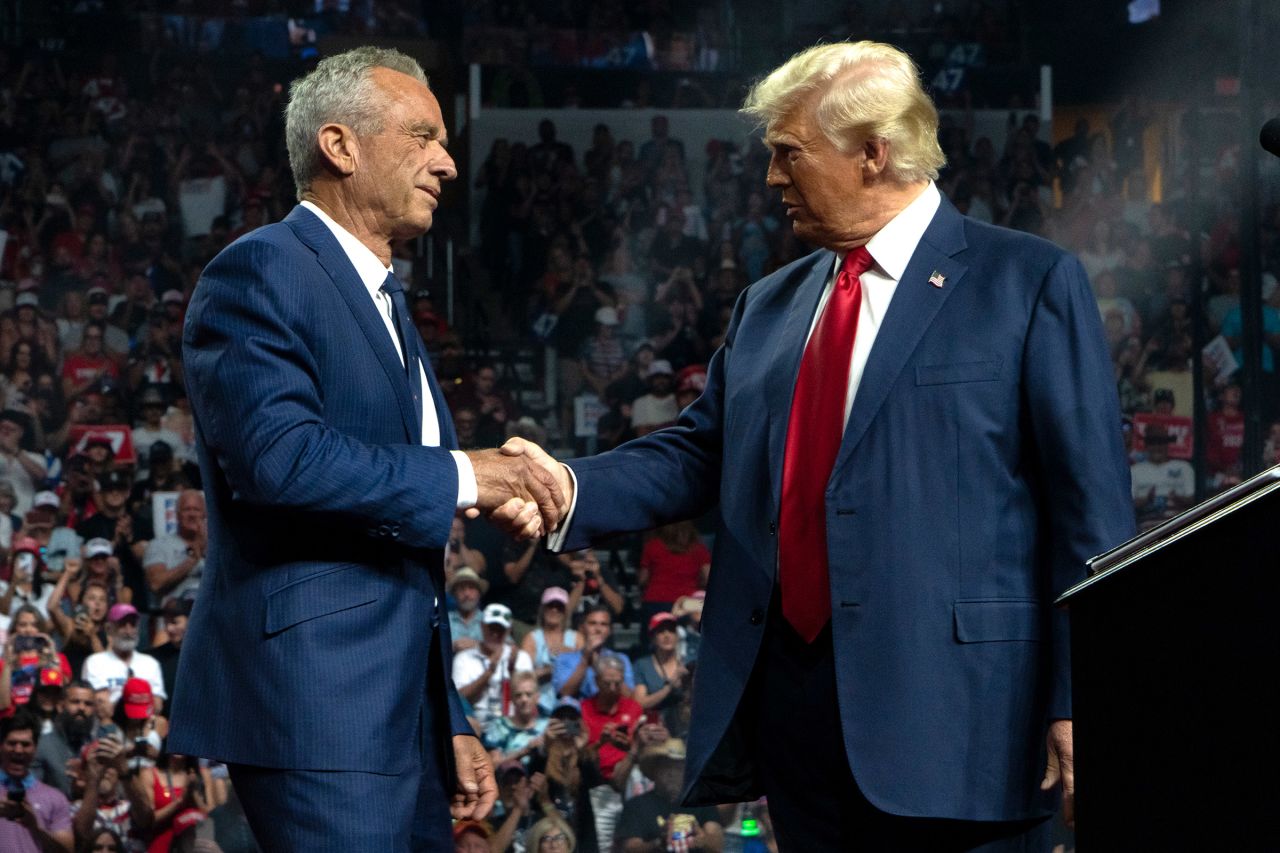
[(891, 249), (373, 275)]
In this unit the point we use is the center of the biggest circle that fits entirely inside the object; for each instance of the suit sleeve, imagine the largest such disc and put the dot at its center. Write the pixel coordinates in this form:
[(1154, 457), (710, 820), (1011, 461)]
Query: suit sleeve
[(254, 387), (1074, 418)]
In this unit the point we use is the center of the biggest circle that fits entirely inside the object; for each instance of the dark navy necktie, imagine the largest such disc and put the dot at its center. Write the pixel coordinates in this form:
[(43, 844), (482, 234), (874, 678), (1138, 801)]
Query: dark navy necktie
[(405, 332)]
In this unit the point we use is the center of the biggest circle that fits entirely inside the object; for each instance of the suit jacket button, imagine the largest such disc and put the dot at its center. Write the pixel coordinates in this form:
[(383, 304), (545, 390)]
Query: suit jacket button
[(773, 528), (383, 531), (757, 616), (395, 531)]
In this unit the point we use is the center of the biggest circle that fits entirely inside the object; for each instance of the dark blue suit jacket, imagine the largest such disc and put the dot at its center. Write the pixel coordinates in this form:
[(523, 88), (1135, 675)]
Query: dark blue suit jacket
[(318, 634), (981, 466)]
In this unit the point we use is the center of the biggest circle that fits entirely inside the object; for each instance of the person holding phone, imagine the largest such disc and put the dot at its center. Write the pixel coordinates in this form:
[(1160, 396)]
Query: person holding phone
[(25, 586), (34, 817), (113, 795), (28, 652), (84, 631), (178, 794)]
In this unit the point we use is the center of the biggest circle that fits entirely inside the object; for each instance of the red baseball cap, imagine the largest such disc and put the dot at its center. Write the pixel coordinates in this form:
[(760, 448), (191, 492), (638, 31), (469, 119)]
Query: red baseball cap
[(659, 619), (137, 699)]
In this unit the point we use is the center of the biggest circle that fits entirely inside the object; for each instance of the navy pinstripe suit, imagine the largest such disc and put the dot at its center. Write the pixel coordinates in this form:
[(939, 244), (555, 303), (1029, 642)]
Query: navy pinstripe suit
[(316, 643)]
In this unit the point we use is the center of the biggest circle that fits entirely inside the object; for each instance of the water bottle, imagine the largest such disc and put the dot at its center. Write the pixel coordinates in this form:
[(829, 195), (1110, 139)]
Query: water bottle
[(745, 834)]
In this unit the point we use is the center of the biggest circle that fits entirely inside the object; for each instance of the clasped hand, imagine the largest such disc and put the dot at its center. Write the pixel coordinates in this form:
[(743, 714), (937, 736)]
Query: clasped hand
[(521, 489)]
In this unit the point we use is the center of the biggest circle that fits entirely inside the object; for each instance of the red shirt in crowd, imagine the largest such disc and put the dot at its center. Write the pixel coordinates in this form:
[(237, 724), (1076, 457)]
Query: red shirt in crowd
[(1226, 438), (80, 368), (626, 715), (672, 575)]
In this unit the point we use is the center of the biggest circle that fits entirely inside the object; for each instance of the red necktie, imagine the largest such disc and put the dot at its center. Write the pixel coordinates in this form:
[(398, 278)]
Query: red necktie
[(814, 432)]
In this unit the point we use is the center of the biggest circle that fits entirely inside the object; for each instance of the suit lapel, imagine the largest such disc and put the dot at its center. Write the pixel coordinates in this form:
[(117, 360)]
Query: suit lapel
[(780, 383), (916, 301), (320, 239)]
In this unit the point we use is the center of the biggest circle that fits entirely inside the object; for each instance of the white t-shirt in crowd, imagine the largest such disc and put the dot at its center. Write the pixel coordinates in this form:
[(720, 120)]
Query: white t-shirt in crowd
[(469, 664), (106, 671)]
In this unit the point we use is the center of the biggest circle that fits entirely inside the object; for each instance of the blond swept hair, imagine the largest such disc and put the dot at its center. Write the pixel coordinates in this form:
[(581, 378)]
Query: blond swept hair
[(869, 91)]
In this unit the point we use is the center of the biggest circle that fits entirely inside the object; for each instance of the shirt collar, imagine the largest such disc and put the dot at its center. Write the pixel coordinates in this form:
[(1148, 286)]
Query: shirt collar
[(28, 782), (895, 243), (371, 271)]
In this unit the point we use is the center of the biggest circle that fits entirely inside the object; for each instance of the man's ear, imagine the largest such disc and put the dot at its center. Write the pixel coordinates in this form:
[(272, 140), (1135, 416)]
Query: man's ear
[(339, 147), (876, 162)]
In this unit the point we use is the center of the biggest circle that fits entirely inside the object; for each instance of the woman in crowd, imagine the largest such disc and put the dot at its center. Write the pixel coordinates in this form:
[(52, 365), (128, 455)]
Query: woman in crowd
[(550, 835), (25, 584), (549, 639), (179, 794), (85, 631), (674, 562), (28, 651), (661, 677)]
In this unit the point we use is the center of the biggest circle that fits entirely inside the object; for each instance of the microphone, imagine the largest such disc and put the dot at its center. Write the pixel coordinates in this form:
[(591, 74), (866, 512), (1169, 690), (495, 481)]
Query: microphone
[(1270, 136)]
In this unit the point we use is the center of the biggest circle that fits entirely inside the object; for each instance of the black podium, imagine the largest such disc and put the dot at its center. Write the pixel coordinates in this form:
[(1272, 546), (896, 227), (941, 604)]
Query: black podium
[(1175, 642)]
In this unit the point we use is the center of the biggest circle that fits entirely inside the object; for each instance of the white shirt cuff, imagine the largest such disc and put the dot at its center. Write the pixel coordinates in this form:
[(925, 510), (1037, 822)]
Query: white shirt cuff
[(468, 491), (555, 541)]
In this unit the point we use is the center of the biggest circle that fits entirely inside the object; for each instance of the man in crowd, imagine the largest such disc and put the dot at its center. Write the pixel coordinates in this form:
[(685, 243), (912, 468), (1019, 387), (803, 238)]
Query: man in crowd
[(657, 408), (574, 673), (114, 798), (115, 341), (979, 404), (610, 716), (34, 817), (326, 455), (483, 674), (465, 622), (1162, 486), (593, 584), (72, 727), (174, 562), (20, 468), (80, 370), (152, 404), (114, 525), (109, 670), (650, 821)]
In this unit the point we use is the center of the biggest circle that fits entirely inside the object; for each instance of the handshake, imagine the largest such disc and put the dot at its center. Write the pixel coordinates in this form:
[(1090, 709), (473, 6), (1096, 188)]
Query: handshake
[(520, 489)]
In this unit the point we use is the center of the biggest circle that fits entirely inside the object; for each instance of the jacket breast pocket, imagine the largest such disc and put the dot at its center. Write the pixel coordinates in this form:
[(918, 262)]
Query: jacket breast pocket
[(333, 590), (965, 371), (998, 620)]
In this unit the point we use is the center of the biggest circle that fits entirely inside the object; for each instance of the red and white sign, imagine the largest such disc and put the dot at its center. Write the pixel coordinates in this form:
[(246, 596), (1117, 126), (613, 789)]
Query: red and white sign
[(1177, 426), (120, 436)]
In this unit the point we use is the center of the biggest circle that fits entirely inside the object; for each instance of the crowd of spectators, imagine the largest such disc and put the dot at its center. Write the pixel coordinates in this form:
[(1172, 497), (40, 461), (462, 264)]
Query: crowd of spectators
[(119, 180)]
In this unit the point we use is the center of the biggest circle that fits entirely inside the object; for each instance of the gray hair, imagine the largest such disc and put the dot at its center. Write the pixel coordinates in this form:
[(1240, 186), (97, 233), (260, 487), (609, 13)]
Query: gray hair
[(605, 662), (339, 90)]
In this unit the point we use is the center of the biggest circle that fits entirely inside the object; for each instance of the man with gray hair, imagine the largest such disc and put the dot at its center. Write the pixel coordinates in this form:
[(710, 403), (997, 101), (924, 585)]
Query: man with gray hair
[(912, 440), (317, 659)]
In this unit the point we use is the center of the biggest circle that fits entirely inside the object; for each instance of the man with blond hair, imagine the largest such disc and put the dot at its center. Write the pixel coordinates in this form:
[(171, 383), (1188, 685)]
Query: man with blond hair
[(912, 440)]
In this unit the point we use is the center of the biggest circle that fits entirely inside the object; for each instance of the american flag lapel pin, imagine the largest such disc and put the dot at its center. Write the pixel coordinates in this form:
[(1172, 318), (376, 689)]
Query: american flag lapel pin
[(937, 279)]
